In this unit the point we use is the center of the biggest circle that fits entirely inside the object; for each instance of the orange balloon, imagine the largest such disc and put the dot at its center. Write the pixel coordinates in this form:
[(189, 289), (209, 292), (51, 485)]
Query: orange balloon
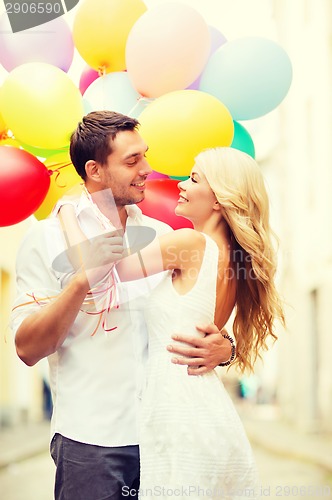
[(167, 49)]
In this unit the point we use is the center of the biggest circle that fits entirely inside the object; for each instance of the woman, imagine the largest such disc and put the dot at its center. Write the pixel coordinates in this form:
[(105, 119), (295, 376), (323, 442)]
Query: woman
[(191, 438)]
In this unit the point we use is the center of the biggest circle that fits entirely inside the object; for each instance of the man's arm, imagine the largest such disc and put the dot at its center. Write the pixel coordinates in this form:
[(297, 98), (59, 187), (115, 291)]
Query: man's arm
[(203, 354), (43, 332), (45, 327)]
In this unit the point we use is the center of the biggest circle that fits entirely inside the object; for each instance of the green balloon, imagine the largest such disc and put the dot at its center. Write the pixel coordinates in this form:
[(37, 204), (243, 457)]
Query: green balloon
[(41, 152), (179, 178), (242, 140)]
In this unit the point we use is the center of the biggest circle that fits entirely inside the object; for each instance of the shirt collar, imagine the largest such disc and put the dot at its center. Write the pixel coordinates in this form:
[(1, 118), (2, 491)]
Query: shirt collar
[(134, 214), (133, 211)]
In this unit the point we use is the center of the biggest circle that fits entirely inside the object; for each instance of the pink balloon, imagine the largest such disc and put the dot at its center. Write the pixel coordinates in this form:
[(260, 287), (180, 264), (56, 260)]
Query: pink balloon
[(157, 175), (167, 49), (50, 43), (88, 76), (217, 39)]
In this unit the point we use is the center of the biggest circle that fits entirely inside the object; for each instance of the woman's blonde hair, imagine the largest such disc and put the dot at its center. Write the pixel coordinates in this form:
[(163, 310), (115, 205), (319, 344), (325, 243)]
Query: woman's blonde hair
[(238, 184)]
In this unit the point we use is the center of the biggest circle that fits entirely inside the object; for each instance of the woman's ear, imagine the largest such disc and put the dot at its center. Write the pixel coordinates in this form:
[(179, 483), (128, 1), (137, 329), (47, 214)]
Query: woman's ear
[(216, 205), (92, 170)]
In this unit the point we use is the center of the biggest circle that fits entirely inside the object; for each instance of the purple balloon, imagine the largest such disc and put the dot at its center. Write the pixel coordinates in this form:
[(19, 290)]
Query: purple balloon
[(50, 43), (217, 39)]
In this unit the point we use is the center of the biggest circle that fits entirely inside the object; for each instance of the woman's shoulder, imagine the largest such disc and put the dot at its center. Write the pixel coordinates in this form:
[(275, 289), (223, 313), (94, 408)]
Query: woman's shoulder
[(188, 237), (159, 226), (71, 198)]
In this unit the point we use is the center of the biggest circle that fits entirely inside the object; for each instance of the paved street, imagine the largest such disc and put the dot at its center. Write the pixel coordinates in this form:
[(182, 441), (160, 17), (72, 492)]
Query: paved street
[(285, 477), (32, 479)]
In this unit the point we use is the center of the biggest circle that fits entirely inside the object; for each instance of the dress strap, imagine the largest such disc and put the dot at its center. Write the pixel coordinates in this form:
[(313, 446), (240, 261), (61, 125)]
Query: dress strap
[(210, 259)]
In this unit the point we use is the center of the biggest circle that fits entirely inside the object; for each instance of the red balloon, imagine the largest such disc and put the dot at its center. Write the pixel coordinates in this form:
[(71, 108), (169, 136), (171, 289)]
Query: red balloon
[(24, 182), (161, 197)]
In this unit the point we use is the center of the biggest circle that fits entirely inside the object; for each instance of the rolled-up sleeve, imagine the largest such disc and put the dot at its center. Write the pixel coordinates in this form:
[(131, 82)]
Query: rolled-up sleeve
[(36, 282)]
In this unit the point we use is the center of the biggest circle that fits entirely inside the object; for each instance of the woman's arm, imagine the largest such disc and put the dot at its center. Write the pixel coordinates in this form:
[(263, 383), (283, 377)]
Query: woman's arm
[(178, 249), (174, 250), (95, 257)]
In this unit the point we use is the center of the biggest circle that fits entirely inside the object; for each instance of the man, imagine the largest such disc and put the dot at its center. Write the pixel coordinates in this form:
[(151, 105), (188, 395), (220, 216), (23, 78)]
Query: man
[(95, 349)]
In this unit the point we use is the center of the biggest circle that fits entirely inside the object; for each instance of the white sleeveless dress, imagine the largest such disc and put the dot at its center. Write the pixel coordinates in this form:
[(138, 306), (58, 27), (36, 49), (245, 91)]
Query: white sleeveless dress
[(192, 442)]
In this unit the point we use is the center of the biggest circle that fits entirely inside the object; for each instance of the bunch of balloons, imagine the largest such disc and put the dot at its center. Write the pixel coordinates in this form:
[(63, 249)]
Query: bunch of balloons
[(188, 86)]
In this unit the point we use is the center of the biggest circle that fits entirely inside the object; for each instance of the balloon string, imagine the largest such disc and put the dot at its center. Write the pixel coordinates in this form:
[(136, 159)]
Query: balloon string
[(101, 73), (103, 92), (57, 172), (111, 301), (139, 100), (4, 135), (34, 301), (102, 70)]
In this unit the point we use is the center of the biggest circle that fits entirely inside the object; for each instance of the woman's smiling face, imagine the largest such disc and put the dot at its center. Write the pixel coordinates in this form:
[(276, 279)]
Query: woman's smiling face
[(196, 199)]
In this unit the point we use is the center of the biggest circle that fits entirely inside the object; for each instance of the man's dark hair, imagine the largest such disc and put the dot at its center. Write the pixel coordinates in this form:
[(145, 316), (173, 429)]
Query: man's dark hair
[(91, 139)]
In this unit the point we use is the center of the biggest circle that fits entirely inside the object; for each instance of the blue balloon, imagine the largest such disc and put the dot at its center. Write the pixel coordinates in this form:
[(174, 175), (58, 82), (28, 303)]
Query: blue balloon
[(242, 140), (113, 92), (250, 76)]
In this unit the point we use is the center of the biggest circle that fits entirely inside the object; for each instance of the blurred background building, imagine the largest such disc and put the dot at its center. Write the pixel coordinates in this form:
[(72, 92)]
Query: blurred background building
[(21, 388), (295, 151), (304, 160)]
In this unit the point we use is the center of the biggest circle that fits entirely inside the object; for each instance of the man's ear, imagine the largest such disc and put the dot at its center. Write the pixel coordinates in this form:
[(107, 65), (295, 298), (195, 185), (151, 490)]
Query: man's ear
[(92, 169)]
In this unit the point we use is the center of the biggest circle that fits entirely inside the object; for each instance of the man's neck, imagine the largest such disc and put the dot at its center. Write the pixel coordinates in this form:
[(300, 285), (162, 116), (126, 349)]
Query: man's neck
[(117, 215), (105, 202), (123, 216)]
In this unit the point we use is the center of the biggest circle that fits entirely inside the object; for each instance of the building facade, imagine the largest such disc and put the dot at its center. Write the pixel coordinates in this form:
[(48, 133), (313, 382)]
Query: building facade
[(303, 159), (21, 387)]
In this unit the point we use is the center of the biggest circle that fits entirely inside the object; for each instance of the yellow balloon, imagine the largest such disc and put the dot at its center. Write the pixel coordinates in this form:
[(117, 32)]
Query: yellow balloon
[(41, 105), (3, 126), (63, 178), (180, 124), (9, 141), (101, 29)]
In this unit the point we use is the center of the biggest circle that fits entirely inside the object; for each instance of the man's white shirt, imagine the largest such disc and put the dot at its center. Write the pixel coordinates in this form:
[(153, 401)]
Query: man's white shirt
[(96, 380)]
